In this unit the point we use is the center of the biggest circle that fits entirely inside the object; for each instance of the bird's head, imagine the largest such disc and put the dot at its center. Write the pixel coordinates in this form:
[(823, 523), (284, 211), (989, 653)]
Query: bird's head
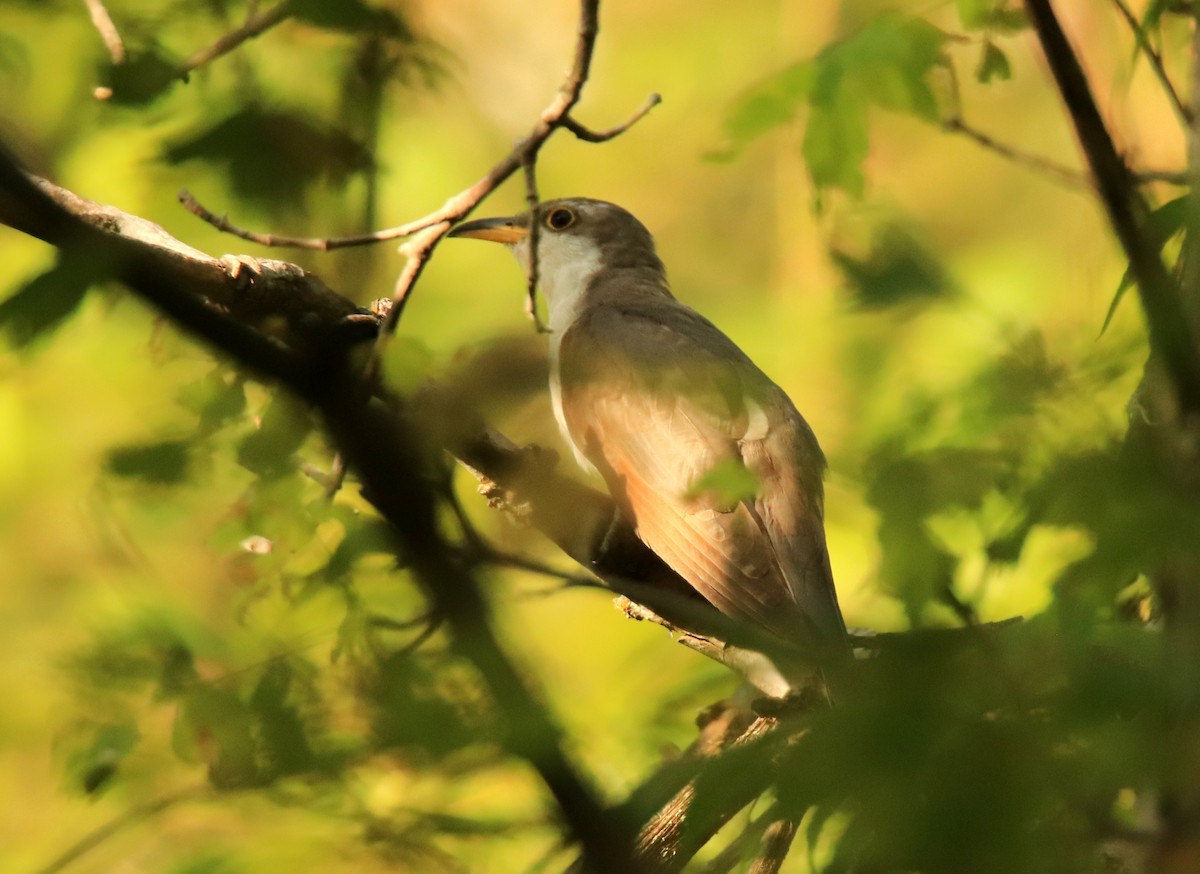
[(578, 239)]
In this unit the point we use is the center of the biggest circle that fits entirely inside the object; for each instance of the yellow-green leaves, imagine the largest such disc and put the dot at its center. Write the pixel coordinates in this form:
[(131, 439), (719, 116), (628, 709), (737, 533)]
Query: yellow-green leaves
[(886, 64)]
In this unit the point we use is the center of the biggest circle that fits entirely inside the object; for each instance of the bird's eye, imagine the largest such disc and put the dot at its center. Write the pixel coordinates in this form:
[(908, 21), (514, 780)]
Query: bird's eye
[(560, 219)]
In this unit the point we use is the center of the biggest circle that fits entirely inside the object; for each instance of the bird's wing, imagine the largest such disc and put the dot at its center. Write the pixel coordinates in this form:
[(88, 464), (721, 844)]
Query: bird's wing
[(656, 431)]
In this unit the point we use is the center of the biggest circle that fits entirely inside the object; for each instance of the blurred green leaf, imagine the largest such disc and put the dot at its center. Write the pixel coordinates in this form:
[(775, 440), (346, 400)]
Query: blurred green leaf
[(143, 77), (215, 727), (730, 482), (885, 64), (93, 767), (772, 103), (993, 64), (906, 489), (271, 155), (218, 398), (44, 303), (1163, 224), (995, 15), (898, 269), (281, 733), (283, 428), (165, 462), (835, 142), (352, 16)]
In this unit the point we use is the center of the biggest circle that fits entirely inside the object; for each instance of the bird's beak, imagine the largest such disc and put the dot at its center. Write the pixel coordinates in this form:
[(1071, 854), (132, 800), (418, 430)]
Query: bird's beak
[(507, 230)]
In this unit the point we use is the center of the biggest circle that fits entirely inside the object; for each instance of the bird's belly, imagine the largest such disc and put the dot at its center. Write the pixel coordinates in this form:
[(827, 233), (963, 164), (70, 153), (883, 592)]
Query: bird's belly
[(560, 416)]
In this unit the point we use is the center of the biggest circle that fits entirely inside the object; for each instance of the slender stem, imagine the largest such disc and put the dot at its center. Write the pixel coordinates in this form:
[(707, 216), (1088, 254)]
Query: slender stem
[(1171, 336), (103, 23), (1156, 61), (255, 25)]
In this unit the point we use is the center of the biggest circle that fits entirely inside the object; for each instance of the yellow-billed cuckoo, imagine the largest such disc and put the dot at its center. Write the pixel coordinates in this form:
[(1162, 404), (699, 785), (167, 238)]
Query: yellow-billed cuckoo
[(654, 397)]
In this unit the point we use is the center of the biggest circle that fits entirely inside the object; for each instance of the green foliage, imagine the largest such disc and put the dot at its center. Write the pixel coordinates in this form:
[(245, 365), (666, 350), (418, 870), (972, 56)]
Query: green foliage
[(185, 604), (1165, 223), (271, 155), (899, 268), (886, 64)]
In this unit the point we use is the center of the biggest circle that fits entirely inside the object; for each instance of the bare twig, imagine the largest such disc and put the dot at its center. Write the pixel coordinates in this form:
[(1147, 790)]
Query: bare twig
[(665, 843), (1171, 177), (591, 136), (103, 23), (776, 842), (1063, 175), (256, 24), (131, 817), (1171, 336), (461, 204), (1156, 61), (535, 236)]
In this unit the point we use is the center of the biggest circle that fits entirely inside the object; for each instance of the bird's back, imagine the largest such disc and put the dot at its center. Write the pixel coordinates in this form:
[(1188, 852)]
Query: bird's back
[(671, 412)]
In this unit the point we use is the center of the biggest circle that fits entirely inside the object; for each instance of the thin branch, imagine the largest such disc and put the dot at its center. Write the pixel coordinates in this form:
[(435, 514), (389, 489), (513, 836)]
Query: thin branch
[(103, 23), (1171, 336), (1156, 61), (255, 25), (1063, 175), (131, 817), (532, 276), (592, 136), (776, 843), (1171, 177), (674, 834), (460, 205)]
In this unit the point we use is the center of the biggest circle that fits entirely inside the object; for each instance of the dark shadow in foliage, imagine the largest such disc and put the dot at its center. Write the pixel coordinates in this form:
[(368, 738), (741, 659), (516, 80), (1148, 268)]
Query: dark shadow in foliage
[(352, 16), (897, 269), (1140, 513), (270, 156), (906, 489), (991, 752), (416, 709), (45, 302), (165, 462), (143, 77), (283, 427)]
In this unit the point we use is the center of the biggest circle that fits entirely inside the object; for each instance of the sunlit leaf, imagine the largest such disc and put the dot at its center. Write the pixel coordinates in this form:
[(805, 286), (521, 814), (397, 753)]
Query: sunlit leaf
[(772, 103), (886, 64)]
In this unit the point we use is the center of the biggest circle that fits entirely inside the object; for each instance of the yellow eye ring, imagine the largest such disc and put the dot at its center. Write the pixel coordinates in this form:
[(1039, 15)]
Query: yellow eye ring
[(560, 218)]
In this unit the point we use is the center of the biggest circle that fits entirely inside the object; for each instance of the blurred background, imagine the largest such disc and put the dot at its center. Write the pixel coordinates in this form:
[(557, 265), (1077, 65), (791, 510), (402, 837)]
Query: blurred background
[(937, 322)]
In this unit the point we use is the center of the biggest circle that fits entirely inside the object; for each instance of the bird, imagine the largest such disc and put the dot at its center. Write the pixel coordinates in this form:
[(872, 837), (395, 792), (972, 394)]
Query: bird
[(706, 457)]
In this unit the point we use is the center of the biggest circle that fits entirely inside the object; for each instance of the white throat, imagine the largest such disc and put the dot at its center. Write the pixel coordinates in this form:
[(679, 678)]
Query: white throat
[(566, 265)]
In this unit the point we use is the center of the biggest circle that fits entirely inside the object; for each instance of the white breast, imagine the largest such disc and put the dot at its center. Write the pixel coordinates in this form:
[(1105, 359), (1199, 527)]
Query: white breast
[(566, 264)]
